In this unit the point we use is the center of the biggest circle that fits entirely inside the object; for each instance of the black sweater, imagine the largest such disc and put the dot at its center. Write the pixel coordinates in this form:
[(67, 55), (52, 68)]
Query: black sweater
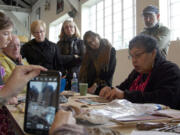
[(162, 88), (40, 53)]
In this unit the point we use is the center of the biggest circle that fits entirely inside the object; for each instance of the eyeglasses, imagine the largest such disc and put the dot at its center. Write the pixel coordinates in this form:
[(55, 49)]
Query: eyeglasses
[(136, 56), (38, 32)]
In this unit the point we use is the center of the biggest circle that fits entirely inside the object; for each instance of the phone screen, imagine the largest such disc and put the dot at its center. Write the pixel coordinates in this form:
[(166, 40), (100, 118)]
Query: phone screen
[(41, 103)]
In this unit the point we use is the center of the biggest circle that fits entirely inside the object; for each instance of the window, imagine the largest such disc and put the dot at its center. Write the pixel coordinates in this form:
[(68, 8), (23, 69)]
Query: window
[(169, 16), (111, 19)]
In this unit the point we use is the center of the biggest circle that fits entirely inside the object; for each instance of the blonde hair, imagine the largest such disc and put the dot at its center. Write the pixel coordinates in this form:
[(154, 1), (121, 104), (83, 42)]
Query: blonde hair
[(63, 35), (37, 23)]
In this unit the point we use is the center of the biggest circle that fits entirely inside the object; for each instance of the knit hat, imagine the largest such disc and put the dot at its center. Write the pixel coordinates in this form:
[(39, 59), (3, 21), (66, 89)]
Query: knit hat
[(150, 9)]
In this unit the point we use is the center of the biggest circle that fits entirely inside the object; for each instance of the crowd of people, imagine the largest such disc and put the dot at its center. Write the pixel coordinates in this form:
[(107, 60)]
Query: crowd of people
[(93, 59)]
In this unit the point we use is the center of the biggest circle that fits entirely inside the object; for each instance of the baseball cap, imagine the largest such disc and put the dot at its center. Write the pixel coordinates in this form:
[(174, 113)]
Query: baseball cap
[(150, 9)]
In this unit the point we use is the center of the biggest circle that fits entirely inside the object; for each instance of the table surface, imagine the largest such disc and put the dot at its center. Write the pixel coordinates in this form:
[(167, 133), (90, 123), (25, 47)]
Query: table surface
[(125, 129)]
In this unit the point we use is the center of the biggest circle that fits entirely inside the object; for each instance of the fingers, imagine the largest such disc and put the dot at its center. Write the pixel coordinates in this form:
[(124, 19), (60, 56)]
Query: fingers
[(110, 95), (30, 71), (104, 91), (33, 74), (28, 68)]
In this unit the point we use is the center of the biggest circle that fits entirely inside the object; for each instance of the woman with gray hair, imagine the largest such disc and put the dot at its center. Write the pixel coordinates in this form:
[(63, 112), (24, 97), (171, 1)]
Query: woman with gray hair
[(153, 80)]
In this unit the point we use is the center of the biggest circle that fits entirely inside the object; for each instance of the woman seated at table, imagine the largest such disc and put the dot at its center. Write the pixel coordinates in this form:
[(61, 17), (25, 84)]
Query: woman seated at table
[(153, 80), (98, 64)]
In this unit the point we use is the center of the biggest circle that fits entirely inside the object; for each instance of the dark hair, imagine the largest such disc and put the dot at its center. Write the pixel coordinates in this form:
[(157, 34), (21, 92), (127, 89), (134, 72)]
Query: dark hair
[(90, 34), (149, 43), (5, 21)]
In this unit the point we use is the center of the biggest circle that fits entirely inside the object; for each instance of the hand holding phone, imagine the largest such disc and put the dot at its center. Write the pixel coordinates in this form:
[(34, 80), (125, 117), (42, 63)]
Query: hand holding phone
[(41, 102)]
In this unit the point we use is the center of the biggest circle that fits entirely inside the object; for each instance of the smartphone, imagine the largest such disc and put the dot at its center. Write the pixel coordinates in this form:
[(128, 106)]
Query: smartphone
[(41, 102)]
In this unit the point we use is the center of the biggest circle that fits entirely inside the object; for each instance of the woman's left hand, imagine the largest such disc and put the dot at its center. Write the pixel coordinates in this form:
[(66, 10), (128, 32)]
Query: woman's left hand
[(92, 89)]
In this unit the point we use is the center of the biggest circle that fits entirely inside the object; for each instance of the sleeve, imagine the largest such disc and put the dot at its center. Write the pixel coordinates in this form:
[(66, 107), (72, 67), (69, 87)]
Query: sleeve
[(79, 130), (82, 51), (163, 37), (61, 57), (106, 78), (68, 129), (58, 61), (78, 61), (112, 66)]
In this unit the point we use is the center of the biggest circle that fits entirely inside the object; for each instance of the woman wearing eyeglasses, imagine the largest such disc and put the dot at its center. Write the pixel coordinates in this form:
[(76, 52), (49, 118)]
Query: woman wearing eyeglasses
[(153, 80), (40, 51), (99, 63)]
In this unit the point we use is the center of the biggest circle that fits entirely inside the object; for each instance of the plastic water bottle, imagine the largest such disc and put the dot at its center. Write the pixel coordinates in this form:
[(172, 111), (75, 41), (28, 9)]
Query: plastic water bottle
[(74, 83)]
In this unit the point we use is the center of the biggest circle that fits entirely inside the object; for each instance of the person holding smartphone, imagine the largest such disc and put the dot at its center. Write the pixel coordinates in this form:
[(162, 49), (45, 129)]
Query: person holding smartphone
[(17, 81)]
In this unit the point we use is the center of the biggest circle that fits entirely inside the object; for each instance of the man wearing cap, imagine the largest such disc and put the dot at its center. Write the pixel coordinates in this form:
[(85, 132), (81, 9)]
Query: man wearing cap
[(155, 29)]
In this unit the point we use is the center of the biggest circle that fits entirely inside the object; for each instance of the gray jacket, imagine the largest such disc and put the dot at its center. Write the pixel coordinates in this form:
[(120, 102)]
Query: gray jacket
[(162, 34)]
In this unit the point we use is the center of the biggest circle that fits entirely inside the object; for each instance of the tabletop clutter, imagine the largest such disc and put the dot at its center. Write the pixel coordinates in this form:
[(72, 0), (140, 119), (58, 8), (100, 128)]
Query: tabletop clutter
[(97, 111), (91, 110)]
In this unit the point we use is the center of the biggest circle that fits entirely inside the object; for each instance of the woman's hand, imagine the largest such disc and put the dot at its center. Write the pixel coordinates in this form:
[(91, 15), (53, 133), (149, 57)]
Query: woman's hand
[(19, 78), (61, 118), (115, 93), (104, 91), (92, 89), (111, 94)]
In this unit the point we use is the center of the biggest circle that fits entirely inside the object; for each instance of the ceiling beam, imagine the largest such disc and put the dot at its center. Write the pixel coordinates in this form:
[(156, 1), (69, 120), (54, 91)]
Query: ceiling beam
[(75, 4), (14, 8), (39, 3), (20, 2)]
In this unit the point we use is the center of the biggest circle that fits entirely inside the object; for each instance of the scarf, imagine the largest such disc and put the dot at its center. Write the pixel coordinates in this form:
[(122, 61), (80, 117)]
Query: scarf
[(138, 84)]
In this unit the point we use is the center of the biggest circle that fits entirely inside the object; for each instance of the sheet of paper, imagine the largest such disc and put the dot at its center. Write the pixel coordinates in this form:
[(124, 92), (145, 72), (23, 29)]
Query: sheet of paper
[(168, 113), (152, 133)]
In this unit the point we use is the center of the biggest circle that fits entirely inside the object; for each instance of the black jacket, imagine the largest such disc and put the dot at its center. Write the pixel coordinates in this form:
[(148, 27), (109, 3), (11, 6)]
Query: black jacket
[(105, 77), (67, 48), (162, 88), (40, 53)]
